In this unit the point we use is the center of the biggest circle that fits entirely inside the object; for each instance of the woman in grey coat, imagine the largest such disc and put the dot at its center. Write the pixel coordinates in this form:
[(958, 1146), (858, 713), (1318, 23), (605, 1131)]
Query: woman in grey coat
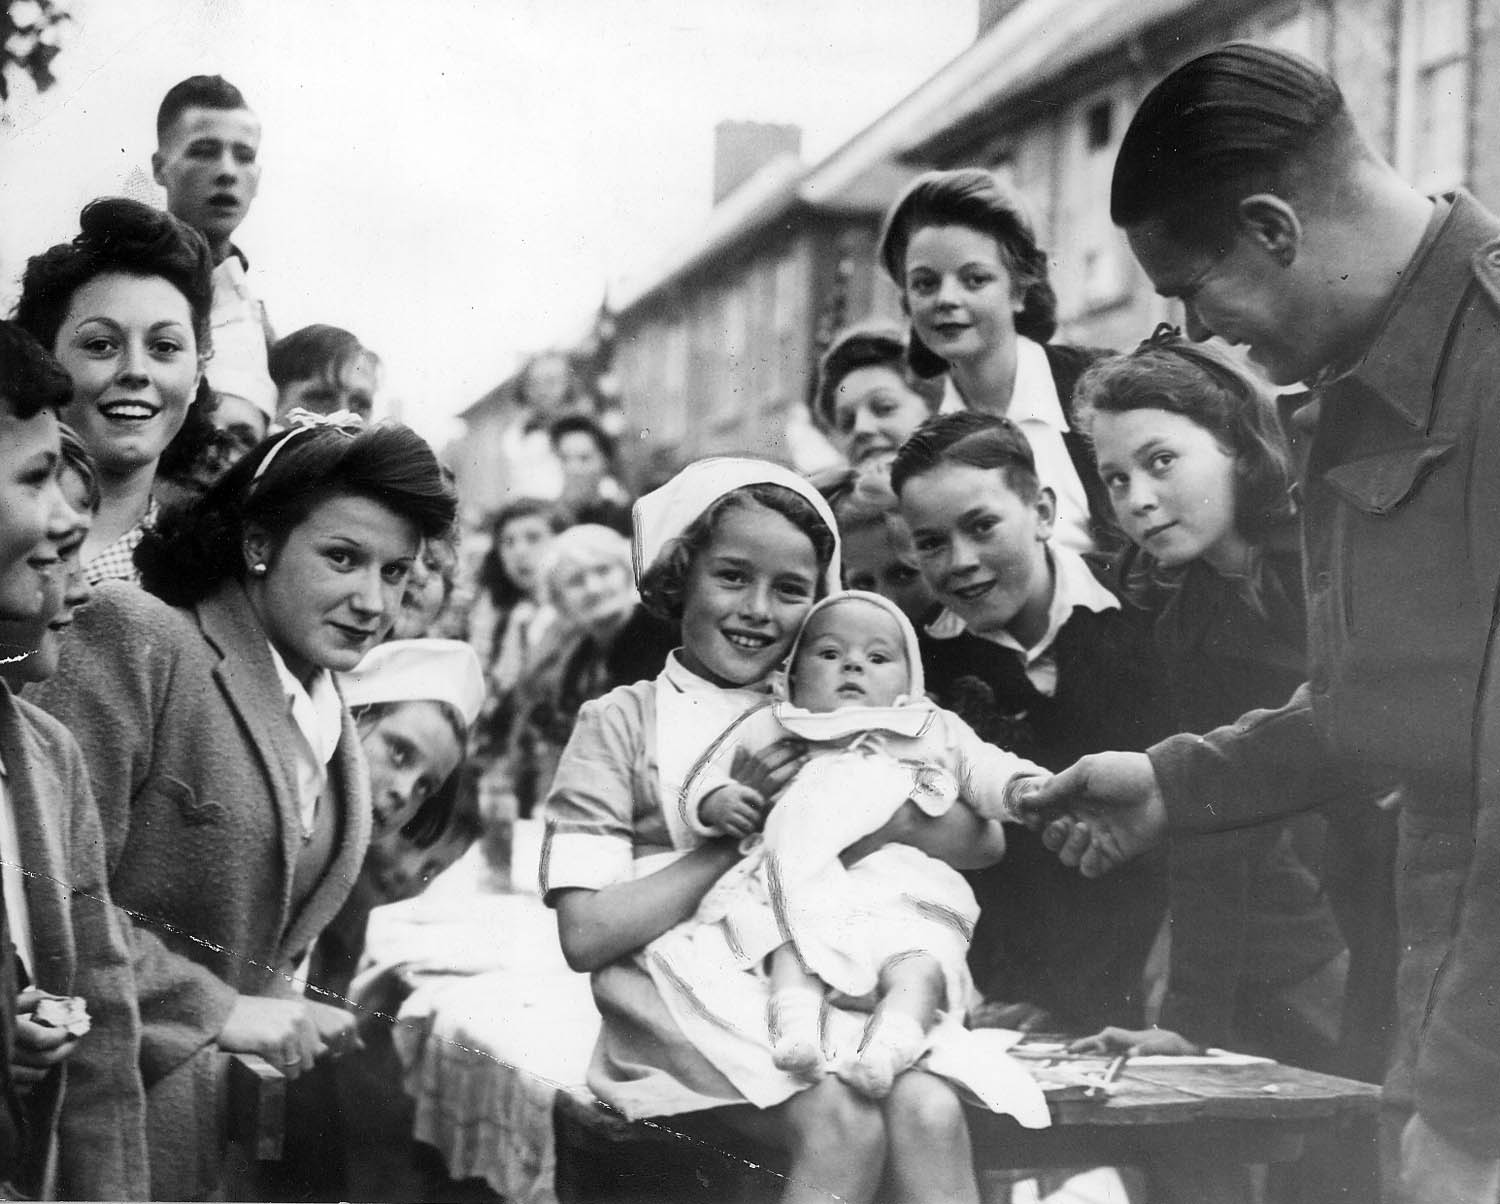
[(228, 773)]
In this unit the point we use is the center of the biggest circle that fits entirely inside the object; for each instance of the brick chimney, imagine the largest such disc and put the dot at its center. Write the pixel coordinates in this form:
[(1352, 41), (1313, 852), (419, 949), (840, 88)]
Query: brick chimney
[(742, 148)]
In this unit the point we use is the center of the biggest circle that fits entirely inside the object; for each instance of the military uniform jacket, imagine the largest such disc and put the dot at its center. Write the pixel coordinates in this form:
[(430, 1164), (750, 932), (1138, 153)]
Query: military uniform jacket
[(1399, 476)]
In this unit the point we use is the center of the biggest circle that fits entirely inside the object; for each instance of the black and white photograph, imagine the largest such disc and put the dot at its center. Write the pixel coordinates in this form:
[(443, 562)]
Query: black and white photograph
[(750, 601)]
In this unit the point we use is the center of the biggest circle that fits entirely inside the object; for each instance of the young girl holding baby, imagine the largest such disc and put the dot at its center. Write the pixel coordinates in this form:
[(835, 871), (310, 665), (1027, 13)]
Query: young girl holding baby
[(736, 551), (895, 926)]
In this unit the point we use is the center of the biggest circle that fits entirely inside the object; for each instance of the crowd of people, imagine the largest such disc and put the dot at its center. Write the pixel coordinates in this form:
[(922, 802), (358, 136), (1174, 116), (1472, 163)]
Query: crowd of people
[(834, 772)]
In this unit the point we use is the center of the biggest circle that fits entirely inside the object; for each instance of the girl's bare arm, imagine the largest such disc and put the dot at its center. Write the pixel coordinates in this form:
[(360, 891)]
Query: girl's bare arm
[(597, 927)]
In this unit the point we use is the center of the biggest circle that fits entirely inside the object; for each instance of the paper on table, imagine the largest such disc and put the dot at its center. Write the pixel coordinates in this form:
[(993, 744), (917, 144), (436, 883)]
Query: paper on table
[(1211, 1057)]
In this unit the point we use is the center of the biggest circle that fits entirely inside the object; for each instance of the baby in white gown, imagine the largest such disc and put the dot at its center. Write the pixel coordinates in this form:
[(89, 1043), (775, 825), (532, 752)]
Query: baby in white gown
[(893, 928)]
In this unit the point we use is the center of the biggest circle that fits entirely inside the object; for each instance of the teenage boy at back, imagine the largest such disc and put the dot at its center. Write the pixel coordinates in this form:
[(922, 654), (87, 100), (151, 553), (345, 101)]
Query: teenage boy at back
[(208, 159)]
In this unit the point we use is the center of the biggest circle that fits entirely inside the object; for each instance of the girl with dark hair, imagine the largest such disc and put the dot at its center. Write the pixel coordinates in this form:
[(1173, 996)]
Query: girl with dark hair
[(1037, 656), (1194, 461), (125, 308), (869, 398), (735, 552), (959, 246), (233, 792)]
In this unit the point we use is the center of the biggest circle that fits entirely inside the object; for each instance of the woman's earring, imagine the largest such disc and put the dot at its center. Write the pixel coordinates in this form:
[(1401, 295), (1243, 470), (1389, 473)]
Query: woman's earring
[(257, 570)]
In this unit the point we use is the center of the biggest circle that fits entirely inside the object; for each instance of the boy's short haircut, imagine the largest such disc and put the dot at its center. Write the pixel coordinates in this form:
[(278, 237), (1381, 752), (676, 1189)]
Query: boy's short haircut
[(196, 92), (971, 440), (316, 352), (582, 424), (31, 379)]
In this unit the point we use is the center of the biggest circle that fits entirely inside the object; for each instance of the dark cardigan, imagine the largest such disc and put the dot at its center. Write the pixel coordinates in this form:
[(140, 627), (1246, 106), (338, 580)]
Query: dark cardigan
[(1072, 945), (1249, 918)]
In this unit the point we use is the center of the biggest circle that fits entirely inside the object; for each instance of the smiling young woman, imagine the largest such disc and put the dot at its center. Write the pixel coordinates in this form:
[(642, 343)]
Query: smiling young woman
[(234, 799), (125, 308), (961, 249)]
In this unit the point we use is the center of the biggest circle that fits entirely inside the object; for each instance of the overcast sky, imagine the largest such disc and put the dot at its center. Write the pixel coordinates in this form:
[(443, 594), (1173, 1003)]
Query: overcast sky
[(457, 181)]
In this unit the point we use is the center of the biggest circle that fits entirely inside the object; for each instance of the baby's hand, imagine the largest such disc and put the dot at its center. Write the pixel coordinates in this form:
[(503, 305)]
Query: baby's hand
[(733, 809), (1018, 792)]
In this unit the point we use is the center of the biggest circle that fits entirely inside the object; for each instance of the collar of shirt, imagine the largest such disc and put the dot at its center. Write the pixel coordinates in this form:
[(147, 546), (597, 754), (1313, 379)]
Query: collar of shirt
[(691, 715), (1401, 364), (318, 716), (117, 561), (908, 718), (1073, 586), (1033, 396), (684, 681)]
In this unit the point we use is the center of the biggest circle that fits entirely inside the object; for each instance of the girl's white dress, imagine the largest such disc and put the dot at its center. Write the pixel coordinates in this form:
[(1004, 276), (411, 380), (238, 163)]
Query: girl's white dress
[(606, 823)]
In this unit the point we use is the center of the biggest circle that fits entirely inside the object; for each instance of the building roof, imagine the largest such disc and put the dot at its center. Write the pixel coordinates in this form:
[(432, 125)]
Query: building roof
[(1033, 45)]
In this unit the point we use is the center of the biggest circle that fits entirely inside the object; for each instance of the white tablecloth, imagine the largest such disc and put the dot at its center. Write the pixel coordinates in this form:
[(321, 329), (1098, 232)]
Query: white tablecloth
[(495, 1026)]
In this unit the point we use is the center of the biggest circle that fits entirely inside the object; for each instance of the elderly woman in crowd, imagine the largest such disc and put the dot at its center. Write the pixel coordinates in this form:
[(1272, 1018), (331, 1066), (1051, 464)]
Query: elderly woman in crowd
[(125, 308), (232, 789), (603, 638)]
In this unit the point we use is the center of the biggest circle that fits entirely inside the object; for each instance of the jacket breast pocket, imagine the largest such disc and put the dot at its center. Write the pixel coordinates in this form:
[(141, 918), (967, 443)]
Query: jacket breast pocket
[(161, 789), (1381, 484), (1401, 514)]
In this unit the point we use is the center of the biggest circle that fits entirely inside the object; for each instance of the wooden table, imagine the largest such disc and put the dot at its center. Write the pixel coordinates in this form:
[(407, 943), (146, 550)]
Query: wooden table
[(1194, 1130)]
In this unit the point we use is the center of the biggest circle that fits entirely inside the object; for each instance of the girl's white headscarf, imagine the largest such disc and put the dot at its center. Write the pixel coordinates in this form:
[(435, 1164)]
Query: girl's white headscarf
[(916, 685), (665, 513), (418, 671)]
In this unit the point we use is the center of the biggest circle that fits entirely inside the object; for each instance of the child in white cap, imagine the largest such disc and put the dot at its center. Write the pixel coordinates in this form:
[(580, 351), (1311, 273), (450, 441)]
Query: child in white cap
[(895, 925), (414, 702)]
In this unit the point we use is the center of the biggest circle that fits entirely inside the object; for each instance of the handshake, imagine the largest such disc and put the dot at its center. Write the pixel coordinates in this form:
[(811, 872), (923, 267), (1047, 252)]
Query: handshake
[(1099, 813)]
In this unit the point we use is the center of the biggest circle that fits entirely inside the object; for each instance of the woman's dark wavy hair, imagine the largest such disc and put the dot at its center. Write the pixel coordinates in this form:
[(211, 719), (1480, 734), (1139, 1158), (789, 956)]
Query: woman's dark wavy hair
[(868, 345), (432, 819), (117, 235), (504, 592), (1171, 373), (194, 549), (31, 379), (974, 198), (664, 584), (969, 439)]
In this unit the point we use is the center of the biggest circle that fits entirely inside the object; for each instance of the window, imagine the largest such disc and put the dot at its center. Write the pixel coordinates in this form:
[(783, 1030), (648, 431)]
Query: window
[(1090, 258), (1436, 44), (1099, 121)]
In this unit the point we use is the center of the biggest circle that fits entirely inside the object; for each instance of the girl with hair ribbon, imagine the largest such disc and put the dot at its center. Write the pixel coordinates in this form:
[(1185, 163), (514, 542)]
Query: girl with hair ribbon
[(234, 798)]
